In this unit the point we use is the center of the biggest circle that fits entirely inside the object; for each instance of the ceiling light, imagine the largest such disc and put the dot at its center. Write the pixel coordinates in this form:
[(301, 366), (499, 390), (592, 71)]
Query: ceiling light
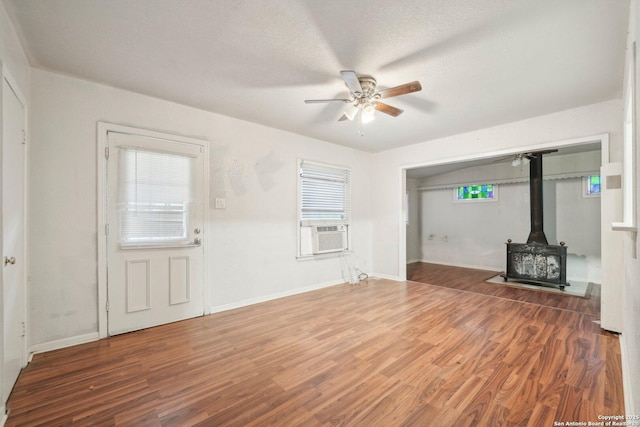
[(368, 112), (520, 159)]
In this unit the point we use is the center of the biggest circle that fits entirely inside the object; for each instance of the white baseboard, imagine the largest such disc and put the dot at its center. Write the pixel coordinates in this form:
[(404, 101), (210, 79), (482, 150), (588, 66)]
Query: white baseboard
[(627, 381), (476, 267), (63, 343), (265, 298), (94, 336), (413, 261), (386, 276), (3, 415)]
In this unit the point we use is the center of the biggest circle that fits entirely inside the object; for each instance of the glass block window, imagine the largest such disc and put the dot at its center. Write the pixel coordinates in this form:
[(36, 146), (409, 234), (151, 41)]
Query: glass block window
[(592, 185), (476, 192)]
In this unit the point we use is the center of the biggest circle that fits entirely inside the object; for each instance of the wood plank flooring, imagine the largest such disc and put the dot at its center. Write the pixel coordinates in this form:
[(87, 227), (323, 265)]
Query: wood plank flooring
[(379, 353), (474, 280)]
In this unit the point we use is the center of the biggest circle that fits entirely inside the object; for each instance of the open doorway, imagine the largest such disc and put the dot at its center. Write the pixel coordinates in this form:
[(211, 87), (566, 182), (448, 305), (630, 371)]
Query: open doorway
[(445, 231), (469, 229)]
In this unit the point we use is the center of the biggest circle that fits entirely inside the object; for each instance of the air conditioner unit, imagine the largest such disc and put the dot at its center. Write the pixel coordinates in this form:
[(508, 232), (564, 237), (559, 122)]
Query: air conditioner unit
[(329, 238)]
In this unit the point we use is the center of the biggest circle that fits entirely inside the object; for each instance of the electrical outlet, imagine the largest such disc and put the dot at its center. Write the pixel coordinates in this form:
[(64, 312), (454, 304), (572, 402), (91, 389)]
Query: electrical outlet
[(221, 203)]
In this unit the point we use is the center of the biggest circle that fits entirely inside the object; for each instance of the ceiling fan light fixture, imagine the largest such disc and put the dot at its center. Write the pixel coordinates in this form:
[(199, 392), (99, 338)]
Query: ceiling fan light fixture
[(351, 111), (520, 159), (368, 112)]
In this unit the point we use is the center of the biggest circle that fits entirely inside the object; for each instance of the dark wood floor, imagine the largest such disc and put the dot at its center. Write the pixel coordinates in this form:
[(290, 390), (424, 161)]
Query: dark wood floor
[(379, 353), (474, 280)]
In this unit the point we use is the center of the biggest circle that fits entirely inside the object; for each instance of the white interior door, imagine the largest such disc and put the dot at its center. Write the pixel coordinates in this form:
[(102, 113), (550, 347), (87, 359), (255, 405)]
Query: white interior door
[(612, 252), (13, 205), (155, 211)]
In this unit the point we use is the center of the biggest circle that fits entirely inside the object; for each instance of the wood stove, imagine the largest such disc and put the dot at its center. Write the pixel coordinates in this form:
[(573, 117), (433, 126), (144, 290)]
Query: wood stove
[(537, 262)]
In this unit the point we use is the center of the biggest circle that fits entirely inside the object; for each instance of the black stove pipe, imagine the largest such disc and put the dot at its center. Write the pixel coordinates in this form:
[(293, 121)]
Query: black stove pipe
[(535, 193)]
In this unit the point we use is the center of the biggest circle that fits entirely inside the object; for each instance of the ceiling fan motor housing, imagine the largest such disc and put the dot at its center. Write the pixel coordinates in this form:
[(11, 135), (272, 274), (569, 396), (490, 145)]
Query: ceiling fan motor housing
[(368, 85)]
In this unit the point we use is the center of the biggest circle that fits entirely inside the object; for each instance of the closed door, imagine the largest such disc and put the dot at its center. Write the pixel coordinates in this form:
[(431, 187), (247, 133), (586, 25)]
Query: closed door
[(13, 202), (155, 211), (612, 244)]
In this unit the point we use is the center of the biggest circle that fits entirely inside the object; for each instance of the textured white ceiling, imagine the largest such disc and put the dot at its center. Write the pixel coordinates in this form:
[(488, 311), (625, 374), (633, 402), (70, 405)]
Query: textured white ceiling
[(481, 62)]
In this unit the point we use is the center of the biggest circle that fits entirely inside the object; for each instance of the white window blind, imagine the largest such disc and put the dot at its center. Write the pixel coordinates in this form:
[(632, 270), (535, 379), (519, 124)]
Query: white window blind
[(155, 191), (325, 192)]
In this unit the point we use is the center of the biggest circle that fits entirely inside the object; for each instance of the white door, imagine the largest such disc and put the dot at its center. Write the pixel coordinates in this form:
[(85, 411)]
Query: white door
[(155, 211), (612, 244), (13, 203)]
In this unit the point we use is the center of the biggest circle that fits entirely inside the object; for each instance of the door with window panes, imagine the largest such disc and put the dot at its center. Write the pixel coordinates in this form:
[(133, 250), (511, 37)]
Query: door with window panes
[(155, 211)]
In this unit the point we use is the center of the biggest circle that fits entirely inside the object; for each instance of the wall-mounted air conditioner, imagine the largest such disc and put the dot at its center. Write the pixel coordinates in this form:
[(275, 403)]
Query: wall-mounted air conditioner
[(329, 238)]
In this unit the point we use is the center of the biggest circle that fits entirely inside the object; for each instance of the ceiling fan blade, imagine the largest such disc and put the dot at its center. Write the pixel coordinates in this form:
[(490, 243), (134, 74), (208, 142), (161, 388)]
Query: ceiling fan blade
[(351, 79), (400, 90), (318, 101), (503, 159), (388, 109)]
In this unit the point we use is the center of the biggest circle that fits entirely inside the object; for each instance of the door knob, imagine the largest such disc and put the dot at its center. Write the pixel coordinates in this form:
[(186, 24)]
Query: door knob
[(8, 260)]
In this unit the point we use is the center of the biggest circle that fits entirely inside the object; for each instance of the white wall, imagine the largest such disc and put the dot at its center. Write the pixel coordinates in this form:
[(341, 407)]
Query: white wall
[(253, 247), (631, 309), (581, 122), (473, 234), (578, 224)]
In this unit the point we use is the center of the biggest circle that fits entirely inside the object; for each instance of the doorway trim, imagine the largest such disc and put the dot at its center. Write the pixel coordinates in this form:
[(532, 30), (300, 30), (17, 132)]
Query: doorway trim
[(13, 84), (402, 244), (103, 128)]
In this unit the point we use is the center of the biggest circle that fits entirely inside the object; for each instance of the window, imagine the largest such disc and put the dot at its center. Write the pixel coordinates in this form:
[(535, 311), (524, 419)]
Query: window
[(324, 214), (478, 192), (592, 185), (154, 197), (325, 192)]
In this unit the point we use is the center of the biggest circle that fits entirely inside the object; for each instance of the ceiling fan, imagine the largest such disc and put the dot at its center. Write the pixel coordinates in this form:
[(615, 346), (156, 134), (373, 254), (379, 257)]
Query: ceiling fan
[(365, 100), (522, 158)]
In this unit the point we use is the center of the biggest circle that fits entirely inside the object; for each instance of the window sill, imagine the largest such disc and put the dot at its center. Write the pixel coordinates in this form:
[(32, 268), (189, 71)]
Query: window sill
[(622, 226), (322, 256)]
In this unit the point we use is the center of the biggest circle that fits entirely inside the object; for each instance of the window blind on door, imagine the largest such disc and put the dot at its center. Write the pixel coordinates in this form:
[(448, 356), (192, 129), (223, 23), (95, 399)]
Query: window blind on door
[(325, 192), (154, 195)]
